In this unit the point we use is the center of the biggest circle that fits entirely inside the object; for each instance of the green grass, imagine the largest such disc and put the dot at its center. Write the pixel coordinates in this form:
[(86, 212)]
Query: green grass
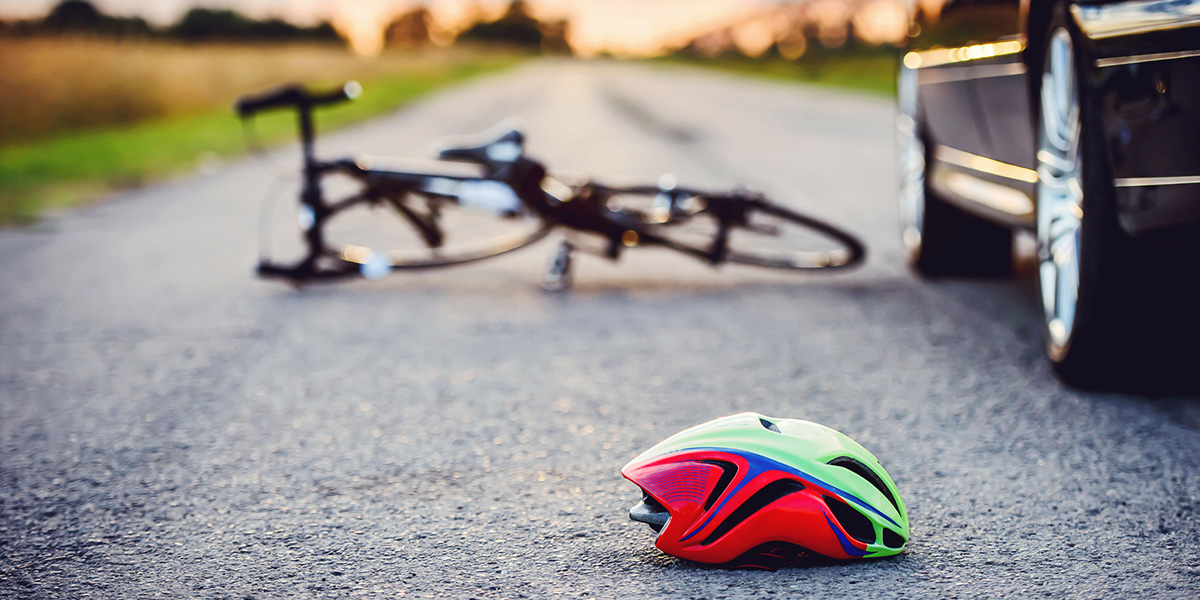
[(872, 71), (72, 169)]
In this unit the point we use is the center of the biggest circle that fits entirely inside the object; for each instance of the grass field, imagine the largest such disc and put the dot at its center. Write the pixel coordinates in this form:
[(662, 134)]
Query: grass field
[(82, 117), (872, 71)]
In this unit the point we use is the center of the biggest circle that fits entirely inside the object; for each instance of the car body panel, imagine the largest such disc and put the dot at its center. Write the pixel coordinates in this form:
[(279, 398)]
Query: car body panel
[(977, 63)]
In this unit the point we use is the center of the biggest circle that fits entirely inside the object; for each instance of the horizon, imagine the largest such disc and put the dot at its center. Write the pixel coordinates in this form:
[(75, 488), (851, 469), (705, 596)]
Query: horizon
[(596, 25)]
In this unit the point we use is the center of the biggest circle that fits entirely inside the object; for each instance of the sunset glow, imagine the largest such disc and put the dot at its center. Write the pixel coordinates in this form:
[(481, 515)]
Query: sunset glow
[(621, 27)]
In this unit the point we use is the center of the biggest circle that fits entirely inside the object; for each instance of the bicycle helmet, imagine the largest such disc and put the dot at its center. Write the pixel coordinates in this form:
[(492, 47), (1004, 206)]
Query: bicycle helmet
[(748, 491)]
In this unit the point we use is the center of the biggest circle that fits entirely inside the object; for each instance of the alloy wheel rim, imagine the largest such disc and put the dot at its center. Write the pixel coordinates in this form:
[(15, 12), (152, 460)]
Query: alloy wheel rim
[(1059, 192), (910, 158)]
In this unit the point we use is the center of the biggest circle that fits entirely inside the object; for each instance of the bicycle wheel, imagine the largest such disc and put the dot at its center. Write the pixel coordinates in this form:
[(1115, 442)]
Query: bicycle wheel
[(757, 232), (775, 237), (417, 231)]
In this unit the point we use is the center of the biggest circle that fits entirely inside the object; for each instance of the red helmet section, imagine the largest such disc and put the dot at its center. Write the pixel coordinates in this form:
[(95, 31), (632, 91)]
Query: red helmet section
[(757, 507)]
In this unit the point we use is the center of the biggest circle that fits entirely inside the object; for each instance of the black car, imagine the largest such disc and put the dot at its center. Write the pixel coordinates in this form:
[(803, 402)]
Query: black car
[(1079, 121)]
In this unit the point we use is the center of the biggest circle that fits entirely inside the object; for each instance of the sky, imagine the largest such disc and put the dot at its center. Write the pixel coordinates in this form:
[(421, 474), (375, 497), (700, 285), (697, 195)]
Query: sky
[(633, 26)]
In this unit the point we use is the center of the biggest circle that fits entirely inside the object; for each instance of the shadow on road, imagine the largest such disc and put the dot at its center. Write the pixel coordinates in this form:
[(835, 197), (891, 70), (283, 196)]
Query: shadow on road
[(1161, 374)]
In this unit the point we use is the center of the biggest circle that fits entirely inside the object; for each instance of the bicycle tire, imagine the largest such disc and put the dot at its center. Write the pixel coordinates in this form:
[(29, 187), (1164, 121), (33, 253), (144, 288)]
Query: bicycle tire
[(469, 235), (850, 254), (693, 228)]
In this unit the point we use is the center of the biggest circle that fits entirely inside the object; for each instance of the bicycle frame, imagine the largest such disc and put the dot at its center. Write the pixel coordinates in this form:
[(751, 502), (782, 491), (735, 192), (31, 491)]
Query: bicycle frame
[(582, 208)]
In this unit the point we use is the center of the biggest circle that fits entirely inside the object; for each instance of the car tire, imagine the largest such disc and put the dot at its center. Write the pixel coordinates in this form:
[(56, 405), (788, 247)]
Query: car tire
[(1094, 280), (940, 239)]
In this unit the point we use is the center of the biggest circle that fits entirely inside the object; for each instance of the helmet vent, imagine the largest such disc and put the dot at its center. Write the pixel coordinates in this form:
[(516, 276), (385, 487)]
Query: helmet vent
[(768, 494), (855, 523), (728, 470), (858, 468), (769, 425), (891, 539)]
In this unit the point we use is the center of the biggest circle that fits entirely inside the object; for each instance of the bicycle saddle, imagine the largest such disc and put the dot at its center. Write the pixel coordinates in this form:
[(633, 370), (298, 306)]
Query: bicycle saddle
[(493, 155)]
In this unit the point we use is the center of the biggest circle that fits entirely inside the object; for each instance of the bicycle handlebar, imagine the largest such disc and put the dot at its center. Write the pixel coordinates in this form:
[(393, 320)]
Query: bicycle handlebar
[(294, 96)]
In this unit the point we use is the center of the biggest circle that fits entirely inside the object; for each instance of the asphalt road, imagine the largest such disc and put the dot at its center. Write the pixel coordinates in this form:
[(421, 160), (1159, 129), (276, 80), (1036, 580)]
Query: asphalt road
[(172, 427)]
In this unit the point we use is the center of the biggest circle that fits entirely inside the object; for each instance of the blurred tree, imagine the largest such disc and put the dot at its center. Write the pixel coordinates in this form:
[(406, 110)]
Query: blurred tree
[(516, 28), (21, 28), (851, 42), (324, 31), (409, 30), (205, 24), (81, 17), (73, 15), (554, 37), (811, 32)]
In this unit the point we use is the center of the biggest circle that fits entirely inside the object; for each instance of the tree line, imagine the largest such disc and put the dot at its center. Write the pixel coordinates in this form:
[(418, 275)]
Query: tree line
[(517, 27), (80, 17)]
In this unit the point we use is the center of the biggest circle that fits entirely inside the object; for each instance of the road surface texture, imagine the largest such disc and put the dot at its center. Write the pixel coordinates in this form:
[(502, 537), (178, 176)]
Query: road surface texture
[(172, 427)]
